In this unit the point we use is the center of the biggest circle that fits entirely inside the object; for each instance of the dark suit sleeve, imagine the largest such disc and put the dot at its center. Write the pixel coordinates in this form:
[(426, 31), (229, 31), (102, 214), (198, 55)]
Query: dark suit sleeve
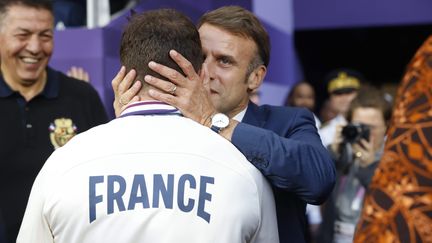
[(296, 162)]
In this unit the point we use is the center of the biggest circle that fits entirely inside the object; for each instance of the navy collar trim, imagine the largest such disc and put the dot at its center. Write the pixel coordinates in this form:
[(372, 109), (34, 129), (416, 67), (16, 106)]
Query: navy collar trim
[(52, 86), (5, 91), (51, 89)]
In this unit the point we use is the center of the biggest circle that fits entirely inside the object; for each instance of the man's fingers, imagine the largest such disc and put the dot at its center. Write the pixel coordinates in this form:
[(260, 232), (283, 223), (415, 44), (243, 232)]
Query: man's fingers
[(367, 145), (85, 76), (119, 77), (78, 73), (136, 98), (163, 85), (121, 101), (359, 150), (184, 64), (167, 72), (127, 96), (164, 97), (126, 82)]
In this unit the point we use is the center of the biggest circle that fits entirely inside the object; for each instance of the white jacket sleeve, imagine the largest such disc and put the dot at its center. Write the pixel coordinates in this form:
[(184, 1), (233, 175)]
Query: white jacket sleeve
[(267, 231)]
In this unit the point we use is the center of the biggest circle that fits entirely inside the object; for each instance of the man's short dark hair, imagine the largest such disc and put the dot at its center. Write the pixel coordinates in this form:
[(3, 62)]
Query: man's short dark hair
[(40, 4), (149, 36), (242, 22)]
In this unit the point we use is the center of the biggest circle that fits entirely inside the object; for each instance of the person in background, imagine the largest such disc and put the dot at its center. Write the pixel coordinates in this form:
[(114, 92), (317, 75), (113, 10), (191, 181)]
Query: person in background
[(69, 13), (302, 94), (357, 149), (327, 112), (155, 175), (343, 85), (43, 108), (73, 13), (282, 142)]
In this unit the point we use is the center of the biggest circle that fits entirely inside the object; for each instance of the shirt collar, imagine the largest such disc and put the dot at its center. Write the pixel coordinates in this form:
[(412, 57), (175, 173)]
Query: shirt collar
[(5, 91), (151, 107), (52, 86), (239, 117), (50, 90)]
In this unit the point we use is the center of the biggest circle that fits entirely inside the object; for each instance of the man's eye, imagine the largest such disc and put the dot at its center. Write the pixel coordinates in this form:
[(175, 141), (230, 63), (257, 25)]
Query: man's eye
[(22, 35), (225, 61), (46, 37)]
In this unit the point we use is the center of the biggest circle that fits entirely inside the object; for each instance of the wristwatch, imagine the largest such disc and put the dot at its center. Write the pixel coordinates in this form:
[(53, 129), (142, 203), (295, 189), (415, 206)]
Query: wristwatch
[(219, 121)]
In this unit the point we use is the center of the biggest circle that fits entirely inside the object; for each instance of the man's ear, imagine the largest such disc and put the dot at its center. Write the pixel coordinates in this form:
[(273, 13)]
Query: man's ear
[(256, 77)]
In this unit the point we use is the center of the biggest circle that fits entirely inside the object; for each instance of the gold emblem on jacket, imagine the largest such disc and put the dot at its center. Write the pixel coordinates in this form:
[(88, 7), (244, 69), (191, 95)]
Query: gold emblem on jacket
[(61, 131)]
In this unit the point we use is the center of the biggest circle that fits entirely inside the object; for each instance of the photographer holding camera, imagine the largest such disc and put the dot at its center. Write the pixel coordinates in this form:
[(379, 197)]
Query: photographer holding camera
[(356, 150), (342, 86)]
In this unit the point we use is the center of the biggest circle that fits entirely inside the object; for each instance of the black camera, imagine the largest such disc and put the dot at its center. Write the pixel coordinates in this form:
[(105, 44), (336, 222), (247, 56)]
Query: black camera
[(354, 132)]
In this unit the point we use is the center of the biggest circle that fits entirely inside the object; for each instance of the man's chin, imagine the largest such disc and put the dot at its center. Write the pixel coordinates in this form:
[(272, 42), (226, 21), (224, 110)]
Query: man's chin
[(29, 81), (29, 78)]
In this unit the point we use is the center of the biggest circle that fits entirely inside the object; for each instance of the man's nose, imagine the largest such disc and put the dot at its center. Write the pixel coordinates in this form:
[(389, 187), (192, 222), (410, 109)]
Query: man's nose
[(210, 68), (34, 45)]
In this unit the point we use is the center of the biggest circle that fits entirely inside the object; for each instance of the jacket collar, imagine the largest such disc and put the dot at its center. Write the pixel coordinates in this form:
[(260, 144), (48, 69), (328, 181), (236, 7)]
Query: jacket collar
[(254, 115)]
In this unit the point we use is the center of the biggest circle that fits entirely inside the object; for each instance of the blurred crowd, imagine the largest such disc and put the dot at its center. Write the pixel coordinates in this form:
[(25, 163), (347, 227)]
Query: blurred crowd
[(355, 120), (73, 13)]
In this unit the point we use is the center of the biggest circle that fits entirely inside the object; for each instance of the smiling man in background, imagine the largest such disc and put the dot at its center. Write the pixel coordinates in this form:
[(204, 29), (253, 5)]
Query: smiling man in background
[(42, 108)]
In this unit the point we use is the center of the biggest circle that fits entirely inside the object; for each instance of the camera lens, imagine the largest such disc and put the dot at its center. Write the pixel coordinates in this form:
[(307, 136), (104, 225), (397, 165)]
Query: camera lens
[(350, 133), (353, 132)]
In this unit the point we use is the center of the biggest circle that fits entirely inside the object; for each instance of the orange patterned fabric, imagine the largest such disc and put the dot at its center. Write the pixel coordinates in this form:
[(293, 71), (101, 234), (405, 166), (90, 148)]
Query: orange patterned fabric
[(398, 205)]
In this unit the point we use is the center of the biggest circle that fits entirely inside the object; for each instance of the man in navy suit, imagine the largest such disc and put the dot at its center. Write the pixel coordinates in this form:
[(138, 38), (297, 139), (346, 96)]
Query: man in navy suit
[(281, 142)]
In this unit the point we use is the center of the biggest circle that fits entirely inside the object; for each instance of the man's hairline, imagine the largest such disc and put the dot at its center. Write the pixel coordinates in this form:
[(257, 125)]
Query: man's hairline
[(4, 14)]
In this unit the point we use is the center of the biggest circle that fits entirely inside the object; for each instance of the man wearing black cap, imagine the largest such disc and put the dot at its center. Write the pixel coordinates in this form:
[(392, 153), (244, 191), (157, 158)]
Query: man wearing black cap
[(342, 87)]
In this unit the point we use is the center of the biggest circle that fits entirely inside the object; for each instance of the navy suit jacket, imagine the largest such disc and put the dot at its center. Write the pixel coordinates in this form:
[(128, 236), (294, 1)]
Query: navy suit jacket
[(283, 143)]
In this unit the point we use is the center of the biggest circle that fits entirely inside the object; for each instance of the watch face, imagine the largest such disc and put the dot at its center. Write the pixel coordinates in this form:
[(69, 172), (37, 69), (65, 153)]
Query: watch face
[(220, 120)]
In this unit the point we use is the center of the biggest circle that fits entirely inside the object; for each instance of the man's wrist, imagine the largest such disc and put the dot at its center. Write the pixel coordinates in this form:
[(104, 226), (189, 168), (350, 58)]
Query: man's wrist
[(228, 131), (206, 121), (219, 122)]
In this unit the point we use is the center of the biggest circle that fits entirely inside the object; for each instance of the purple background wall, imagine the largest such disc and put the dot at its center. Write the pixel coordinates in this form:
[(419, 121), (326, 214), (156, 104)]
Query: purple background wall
[(283, 70), (96, 50)]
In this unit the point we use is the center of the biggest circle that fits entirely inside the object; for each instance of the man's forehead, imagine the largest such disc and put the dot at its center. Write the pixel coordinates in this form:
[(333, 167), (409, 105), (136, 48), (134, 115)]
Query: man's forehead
[(368, 115), (207, 28), (217, 36)]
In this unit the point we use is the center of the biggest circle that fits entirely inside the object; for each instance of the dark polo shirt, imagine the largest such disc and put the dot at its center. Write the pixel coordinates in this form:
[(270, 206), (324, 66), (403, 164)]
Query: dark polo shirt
[(30, 131)]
